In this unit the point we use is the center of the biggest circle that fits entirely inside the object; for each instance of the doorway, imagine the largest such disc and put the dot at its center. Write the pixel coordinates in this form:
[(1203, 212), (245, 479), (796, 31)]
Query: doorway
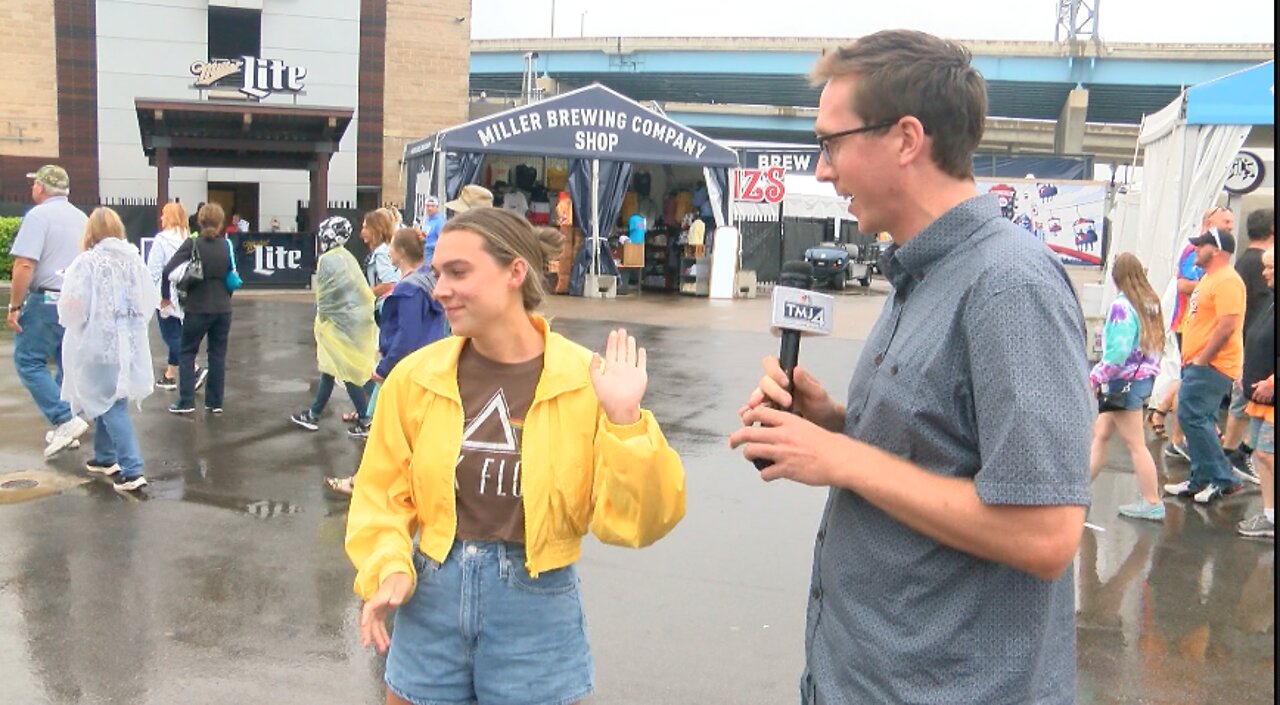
[(237, 198)]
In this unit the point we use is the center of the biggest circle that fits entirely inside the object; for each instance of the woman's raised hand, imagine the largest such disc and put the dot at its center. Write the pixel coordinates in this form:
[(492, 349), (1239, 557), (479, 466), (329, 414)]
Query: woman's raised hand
[(620, 377)]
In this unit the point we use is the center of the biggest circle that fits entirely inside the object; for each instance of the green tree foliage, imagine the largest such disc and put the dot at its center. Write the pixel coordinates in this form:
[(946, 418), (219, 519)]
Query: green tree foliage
[(8, 230)]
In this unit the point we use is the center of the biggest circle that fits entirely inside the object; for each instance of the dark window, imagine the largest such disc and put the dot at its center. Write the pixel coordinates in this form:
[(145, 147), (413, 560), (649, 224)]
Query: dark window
[(234, 33)]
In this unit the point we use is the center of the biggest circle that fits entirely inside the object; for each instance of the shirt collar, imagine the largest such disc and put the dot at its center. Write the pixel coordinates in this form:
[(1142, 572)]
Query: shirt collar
[(565, 365), (914, 259)]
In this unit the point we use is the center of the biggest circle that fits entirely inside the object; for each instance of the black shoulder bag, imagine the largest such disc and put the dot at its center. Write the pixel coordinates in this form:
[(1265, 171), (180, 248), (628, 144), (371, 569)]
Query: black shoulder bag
[(1114, 401), (193, 273)]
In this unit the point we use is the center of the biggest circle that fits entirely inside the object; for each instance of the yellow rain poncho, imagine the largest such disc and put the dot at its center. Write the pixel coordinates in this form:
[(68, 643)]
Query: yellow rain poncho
[(346, 335)]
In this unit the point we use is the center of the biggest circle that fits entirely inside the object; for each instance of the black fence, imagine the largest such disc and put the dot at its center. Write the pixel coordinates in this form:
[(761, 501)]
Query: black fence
[(765, 245), (264, 259)]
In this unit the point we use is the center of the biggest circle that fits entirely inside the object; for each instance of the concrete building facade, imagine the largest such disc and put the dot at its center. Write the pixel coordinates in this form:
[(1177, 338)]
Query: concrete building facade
[(399, 64)]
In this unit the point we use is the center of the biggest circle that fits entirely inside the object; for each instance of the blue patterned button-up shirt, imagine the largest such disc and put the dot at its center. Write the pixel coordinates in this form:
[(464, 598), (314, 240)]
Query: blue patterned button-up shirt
[(975, 369)]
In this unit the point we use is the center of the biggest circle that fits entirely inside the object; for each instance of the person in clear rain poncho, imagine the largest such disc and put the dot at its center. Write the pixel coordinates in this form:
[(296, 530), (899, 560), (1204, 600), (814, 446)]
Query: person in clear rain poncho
[(107, 301), (346, 335)]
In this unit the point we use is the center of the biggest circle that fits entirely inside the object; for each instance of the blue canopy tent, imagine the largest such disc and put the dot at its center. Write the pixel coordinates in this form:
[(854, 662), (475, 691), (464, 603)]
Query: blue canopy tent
[(1246, 97), (601, 132)]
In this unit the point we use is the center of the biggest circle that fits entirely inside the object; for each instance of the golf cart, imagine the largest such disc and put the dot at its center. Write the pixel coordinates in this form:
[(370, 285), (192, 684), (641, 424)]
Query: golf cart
[(834, 265)]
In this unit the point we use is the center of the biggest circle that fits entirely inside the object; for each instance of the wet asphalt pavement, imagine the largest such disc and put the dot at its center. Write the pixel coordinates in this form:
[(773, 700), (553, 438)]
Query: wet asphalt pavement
[(228, 582)]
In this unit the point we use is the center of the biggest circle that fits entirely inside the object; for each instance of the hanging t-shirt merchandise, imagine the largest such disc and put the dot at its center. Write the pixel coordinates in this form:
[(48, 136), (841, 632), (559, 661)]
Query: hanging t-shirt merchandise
[(636, 227), (495, 399)]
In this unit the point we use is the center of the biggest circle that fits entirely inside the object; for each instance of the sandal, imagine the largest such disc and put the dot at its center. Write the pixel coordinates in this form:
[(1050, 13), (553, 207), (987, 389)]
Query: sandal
[(340, 485), (351, 417)]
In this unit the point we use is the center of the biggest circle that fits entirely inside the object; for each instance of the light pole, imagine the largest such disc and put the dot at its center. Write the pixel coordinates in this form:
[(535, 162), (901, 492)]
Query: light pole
[(582, 24), (553, 19)]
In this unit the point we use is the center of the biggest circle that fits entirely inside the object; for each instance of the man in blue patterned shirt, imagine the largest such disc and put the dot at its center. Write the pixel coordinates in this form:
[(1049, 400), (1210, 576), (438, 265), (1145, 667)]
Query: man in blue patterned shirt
[(958, 465)]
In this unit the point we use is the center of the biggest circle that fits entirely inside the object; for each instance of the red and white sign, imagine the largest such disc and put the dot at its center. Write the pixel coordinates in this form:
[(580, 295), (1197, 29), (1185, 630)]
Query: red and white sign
[(759, 185)]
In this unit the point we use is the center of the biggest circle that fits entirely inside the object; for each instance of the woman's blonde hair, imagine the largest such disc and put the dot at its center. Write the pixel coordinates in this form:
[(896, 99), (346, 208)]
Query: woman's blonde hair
[(382, 224), (1131, 279), (211, 220), (173, 217), (103, 223), (508, 237), (406, 240)]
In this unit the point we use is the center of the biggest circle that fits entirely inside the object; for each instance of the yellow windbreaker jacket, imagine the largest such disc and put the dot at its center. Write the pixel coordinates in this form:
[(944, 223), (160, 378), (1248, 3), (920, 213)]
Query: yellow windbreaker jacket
[(578, 470)]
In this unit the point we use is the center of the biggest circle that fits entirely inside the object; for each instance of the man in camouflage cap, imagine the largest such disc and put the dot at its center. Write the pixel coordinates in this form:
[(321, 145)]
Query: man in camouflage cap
[(46, 243), (52, 176)]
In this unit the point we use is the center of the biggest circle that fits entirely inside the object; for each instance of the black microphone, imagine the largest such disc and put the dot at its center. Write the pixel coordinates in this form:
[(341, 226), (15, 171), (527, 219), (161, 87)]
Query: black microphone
[(797, 310)]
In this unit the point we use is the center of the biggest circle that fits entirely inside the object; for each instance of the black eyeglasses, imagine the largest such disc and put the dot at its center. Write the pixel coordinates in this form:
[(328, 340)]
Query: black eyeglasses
[(824, 141)]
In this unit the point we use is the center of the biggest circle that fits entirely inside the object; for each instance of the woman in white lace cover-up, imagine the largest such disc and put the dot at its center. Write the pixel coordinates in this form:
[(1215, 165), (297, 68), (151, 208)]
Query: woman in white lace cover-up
[(107, 301)]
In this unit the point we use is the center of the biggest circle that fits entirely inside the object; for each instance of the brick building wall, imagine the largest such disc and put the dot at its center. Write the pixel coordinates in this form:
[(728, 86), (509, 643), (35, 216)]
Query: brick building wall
[(420, 84), (29, 110), (48, 94), (428, 56)]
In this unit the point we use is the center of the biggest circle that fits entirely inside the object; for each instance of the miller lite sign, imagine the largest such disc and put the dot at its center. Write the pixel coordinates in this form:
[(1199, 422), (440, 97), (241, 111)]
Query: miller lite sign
[(275, 259), (269, 259), (759, 185), (259, 77)]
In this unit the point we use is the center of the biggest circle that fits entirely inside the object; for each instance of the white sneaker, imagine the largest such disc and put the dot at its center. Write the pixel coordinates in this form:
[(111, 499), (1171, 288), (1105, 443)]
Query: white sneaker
[(97, 468), (1213, 492), (1182, 489), (48, 436), (65, 435)]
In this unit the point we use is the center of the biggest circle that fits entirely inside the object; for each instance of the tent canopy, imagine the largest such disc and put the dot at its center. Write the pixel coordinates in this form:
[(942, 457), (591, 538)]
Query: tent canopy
[(1188, 148), (1245, 97), (593, 122)]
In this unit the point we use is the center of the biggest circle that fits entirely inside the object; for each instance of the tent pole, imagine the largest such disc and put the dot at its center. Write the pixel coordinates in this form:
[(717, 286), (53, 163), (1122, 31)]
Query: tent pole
[(782, 245), (440, 180), (595, 217)]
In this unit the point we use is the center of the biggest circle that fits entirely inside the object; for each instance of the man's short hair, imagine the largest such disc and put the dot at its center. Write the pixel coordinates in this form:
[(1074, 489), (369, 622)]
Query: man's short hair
[(905, 72), (1261, 224)]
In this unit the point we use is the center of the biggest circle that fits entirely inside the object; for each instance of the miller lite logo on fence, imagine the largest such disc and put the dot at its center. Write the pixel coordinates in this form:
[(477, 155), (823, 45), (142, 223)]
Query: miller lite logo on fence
[(759, 185), (803, 310), (269, 259)]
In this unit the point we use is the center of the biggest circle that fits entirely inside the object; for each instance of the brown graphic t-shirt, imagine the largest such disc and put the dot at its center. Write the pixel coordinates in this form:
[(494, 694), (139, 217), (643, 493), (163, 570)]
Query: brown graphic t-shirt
[(495, 399)]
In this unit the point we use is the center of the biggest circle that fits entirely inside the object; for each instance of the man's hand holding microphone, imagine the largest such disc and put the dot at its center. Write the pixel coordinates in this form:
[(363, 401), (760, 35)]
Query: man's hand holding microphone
[(790, 423)]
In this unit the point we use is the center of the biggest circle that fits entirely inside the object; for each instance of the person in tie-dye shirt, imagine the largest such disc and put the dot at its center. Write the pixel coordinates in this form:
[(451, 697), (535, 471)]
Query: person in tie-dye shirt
[(1131, 343)]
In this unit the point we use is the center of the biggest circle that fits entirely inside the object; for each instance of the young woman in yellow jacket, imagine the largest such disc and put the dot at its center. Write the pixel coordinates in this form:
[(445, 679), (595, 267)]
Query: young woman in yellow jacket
[(499, 447)]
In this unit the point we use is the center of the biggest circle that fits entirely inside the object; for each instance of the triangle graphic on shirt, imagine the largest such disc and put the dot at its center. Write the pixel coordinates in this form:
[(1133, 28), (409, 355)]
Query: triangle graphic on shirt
[(483, 421)]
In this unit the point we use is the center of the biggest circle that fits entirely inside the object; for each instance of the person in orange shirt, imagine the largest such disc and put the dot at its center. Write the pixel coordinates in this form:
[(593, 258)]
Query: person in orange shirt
[(1212, 359), (1188, 275)]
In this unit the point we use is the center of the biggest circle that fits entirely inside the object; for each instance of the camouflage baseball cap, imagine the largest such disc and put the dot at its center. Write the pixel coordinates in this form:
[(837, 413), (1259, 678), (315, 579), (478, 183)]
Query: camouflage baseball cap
[(53, 176)]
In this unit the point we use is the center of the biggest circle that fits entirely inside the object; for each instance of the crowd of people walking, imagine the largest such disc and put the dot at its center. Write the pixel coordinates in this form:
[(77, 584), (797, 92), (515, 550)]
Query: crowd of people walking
[(1218, 345)]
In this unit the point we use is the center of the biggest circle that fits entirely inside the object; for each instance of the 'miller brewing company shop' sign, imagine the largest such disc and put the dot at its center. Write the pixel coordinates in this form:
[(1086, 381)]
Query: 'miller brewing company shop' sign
[(594, 130), (259, 77)]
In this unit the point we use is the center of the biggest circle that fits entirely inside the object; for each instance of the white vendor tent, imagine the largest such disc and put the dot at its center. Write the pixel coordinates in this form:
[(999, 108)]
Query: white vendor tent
[(1188, 150)]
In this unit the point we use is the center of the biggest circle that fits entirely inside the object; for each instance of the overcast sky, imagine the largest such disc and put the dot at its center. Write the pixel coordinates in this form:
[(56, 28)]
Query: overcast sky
[(1215, 21)]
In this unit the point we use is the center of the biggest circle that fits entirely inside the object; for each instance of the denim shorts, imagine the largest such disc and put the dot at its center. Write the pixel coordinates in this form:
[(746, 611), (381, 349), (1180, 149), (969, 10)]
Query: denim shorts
[(1262, 435), (479, 629), (1139, 391)]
